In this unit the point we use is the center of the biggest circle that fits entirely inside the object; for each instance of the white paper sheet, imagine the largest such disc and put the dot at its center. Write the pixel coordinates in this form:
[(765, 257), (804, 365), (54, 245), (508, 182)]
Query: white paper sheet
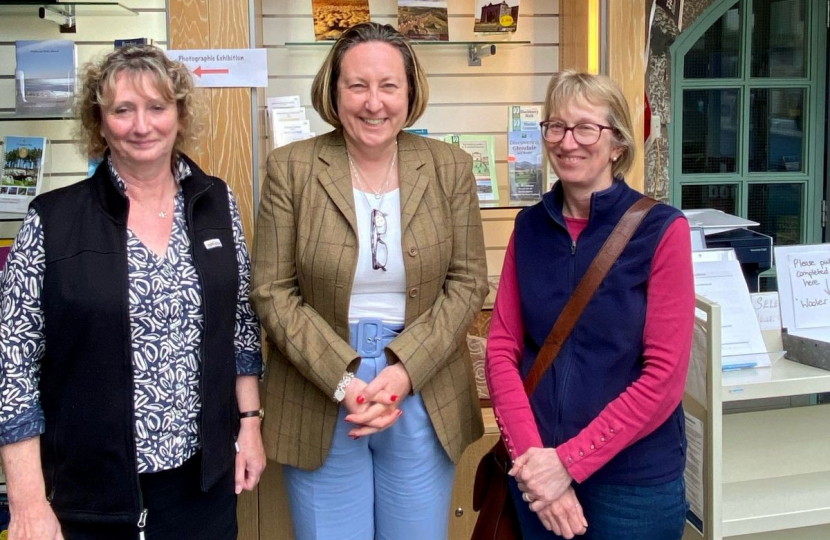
[(742, 344), (767, 310), (785, 287), (809, 275)]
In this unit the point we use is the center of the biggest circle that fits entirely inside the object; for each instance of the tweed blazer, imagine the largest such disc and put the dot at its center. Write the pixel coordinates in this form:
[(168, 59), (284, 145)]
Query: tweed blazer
[(304, 262)]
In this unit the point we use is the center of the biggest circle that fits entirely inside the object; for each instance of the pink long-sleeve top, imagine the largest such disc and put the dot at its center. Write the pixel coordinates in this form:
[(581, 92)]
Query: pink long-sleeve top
[(644, 405)]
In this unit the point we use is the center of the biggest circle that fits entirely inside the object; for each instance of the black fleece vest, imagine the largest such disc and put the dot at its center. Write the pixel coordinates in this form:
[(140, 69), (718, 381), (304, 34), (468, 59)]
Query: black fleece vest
[(88, 449)]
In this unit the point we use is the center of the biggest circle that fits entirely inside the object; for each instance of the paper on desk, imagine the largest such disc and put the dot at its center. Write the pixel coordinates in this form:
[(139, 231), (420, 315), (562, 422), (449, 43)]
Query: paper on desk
[(742, 344), (809, 275), (794, 265), (714, 221)]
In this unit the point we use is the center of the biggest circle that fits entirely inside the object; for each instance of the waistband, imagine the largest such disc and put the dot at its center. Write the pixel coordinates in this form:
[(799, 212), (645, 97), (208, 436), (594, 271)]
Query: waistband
[(370, 336)]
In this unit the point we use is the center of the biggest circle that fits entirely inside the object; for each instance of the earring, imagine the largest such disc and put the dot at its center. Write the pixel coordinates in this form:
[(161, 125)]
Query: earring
[(614, 159)]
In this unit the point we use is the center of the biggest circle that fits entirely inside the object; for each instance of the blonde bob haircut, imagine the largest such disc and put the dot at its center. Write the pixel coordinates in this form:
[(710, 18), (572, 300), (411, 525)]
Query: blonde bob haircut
[(172, 80), (569, 86), (324, 87)]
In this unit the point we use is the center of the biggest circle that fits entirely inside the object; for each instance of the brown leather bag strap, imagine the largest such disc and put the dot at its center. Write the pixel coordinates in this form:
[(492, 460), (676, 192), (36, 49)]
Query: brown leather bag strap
[(588, 285)]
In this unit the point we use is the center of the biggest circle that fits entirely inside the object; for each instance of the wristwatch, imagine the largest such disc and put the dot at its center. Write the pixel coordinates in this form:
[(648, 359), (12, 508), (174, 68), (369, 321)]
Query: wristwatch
[(250, 414), (340, 391)]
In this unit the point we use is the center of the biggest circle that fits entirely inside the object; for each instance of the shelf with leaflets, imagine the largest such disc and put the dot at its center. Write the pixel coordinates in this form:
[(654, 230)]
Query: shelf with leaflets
[(761, 470)]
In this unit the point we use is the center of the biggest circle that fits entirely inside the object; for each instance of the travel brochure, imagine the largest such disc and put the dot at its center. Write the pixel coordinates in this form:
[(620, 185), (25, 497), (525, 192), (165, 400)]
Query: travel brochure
[(287, 121), (525, 153), (480, 147), (524, 164), (44, 76), (23, 159), (424, 20)]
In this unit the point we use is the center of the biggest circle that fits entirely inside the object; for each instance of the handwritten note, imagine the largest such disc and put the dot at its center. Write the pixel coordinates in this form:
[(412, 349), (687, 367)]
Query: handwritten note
[(810, 281), (767, 310)]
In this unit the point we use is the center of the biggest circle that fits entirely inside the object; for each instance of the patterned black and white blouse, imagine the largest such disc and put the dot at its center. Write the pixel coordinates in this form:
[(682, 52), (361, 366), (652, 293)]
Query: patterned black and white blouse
[(166, 331)]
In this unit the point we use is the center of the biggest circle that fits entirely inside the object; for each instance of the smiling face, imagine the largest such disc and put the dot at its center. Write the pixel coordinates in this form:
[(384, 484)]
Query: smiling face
[(372, 95), (139, 124), (586, 166)]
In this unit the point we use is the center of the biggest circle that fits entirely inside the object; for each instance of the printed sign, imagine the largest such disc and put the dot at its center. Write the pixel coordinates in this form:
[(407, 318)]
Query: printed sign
[(225, 68)]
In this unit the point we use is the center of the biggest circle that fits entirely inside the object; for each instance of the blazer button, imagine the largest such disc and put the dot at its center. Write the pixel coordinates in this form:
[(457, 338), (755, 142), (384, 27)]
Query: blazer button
[(413, 292), (413, 251)]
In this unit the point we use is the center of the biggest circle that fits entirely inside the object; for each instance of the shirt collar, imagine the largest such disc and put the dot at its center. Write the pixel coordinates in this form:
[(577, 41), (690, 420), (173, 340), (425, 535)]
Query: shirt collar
[(181, 170)]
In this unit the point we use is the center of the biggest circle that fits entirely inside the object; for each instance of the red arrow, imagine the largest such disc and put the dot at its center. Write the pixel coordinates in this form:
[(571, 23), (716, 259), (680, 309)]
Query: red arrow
[(198, 71)]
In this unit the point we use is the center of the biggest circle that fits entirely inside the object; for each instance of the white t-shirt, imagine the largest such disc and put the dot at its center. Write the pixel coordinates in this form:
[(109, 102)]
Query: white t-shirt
[(377, 294)]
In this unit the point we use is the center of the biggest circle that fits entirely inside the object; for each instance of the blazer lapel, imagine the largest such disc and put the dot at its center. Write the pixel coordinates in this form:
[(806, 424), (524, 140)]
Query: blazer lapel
[(413, 176), (336, 179)]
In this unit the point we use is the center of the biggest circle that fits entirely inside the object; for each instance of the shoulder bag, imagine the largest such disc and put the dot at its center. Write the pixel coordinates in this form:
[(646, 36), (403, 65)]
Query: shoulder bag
[(497, 518)]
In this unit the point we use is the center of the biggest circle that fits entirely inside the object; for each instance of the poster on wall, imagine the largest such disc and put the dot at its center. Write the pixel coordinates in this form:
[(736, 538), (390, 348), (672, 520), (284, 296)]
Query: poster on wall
[(333, 17), (23, 159), (424, 20), (491, 16)]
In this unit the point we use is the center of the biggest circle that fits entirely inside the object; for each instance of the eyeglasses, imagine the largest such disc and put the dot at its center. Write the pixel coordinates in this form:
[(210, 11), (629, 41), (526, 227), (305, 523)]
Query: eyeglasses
[(585, 134), (380, 253)]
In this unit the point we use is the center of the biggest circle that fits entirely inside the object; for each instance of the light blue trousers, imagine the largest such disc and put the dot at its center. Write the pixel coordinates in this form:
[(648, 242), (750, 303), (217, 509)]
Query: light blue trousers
[(393, 485)]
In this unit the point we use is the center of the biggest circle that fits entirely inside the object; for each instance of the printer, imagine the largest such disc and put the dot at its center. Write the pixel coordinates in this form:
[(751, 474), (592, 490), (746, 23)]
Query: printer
[(721, 230)]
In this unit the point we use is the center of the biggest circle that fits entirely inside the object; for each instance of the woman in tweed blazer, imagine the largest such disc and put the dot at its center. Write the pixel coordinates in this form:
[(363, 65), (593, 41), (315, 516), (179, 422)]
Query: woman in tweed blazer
[(369, 267)]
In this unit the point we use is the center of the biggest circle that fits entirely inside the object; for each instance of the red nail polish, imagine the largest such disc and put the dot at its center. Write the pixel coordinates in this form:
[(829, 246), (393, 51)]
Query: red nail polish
[(360, 400), (394, 398), (356, 437)]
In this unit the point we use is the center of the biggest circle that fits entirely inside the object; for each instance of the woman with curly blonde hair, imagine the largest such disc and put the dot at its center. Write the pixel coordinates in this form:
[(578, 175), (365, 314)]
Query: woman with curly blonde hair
[(130, 354)]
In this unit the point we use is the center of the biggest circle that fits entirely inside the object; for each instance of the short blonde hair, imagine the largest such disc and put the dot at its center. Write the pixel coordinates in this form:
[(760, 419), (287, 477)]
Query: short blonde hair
[(324, 88), (568, 86), (171, 78)]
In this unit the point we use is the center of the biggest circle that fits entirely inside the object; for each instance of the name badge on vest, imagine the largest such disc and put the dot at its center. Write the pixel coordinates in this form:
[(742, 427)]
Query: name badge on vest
[(213, 243)]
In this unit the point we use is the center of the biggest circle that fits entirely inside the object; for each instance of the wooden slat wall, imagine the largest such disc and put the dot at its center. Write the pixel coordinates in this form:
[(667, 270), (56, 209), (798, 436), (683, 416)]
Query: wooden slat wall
[(94, 38), (626, 65), (226, 147), (463, 99)]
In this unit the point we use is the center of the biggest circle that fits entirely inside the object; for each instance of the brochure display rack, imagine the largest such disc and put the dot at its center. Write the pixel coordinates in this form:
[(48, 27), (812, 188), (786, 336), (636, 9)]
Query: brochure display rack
[(761, 475)]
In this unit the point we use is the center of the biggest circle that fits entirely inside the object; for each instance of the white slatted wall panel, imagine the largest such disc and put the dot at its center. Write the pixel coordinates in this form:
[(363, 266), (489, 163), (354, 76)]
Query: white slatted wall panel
[(94, 38), (463, 99)]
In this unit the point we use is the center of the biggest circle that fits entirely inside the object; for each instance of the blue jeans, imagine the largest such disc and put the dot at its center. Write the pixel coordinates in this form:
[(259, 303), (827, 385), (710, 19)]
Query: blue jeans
[(618, 512), (393, 485)]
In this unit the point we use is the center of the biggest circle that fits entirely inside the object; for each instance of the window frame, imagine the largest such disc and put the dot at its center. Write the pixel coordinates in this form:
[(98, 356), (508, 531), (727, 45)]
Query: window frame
[(814, 85)]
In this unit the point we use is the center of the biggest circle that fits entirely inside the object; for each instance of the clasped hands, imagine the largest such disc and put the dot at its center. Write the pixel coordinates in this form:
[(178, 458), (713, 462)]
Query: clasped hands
[(546, 485), (374, 407)]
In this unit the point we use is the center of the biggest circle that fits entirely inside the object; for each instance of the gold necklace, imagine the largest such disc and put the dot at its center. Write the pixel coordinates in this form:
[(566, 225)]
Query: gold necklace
[(359, 176)]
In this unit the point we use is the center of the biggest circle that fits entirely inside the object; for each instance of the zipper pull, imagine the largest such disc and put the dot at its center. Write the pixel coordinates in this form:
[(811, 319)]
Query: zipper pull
[(573, 247), (142, 522)]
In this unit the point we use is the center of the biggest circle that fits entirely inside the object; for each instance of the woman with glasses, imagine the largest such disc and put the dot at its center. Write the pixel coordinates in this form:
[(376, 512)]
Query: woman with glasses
[(369, 267), (599, 449)]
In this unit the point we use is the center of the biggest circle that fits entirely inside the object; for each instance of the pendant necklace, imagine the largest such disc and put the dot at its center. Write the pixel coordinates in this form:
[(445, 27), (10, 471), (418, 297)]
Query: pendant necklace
[(359, 177)]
